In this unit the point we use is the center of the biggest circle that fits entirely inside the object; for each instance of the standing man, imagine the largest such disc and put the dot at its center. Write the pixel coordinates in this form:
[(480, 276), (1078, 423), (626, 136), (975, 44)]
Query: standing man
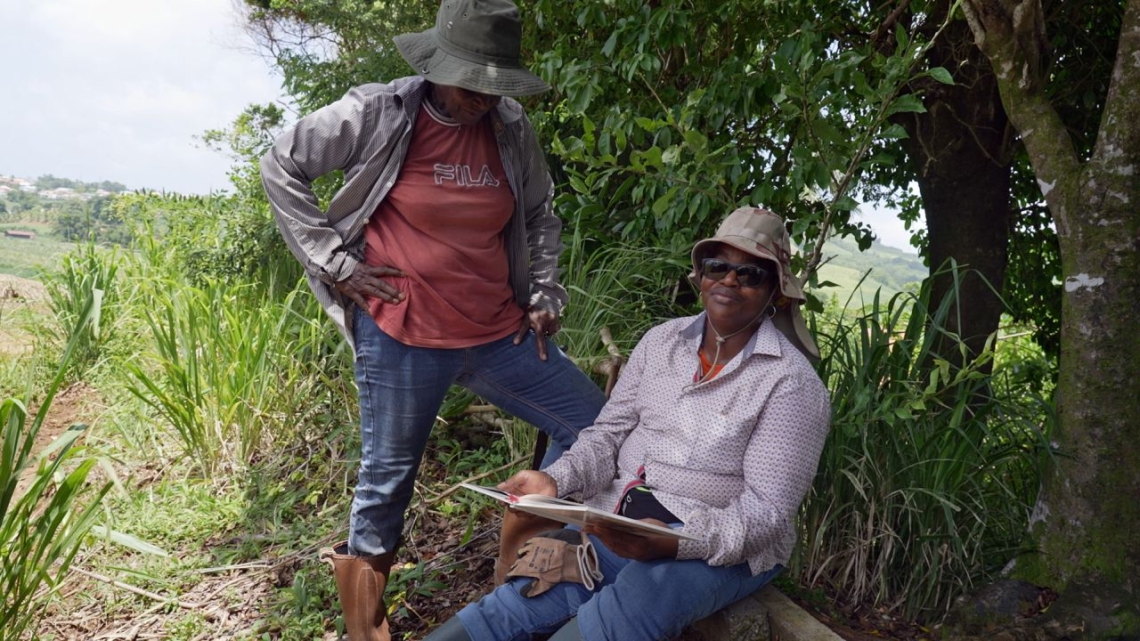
[(437, 259)]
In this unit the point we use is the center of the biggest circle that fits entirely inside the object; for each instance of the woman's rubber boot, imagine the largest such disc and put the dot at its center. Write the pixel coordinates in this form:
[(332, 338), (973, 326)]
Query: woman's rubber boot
[(360, 582), (568, 632), (517, 528), (451, 630)]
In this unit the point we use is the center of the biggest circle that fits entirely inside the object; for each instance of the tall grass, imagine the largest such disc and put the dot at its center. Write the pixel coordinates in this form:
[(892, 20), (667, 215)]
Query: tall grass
[(42, 526), (623, 288), (88, 271), (227, 367), (927, 477)]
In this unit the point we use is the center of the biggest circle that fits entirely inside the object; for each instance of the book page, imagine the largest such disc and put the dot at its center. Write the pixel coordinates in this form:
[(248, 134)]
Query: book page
[(513, 499), (573, 513)]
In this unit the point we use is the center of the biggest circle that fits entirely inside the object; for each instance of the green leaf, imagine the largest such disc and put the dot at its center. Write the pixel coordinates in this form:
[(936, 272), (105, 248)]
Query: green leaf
[(579, 185), (696, 140), (611, 43), (648, 124), (652, 158), (663, 203), (894, 132), (127, 541), (941, 75), (901, 37), (907, 103)]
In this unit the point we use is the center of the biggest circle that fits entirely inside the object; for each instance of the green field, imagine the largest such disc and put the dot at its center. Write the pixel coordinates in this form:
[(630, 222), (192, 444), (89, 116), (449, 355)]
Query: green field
[(887, 270), (25, 258)]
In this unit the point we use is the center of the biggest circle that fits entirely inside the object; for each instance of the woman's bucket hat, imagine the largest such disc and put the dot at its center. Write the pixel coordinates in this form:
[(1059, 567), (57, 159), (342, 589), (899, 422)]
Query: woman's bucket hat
[(474, 45), (761, 233)]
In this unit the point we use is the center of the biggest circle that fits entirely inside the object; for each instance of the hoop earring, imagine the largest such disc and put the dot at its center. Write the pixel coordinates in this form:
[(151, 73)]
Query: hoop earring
[(770, 312)]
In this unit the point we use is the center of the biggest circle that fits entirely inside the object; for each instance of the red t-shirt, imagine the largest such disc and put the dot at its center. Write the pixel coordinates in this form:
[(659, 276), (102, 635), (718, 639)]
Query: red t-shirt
[(442, 225)]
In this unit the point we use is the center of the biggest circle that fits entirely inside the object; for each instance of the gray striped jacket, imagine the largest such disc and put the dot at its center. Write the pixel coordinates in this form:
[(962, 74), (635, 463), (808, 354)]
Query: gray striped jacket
[(366, 134)]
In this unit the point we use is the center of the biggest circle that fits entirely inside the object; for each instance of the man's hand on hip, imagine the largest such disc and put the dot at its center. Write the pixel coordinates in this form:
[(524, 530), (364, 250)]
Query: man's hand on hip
[(366, 281)]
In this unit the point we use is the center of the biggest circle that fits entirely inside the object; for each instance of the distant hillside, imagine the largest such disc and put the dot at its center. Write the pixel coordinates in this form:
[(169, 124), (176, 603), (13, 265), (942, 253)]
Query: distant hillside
[(891, 270)]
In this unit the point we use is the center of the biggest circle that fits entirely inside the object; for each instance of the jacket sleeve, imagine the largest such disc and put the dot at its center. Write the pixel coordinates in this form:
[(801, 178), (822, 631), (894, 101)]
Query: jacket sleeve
[(327, 140), (543, 227)]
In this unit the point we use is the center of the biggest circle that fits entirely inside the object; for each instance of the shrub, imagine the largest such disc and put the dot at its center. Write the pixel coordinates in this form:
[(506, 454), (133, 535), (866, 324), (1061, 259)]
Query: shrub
[(927, 478)]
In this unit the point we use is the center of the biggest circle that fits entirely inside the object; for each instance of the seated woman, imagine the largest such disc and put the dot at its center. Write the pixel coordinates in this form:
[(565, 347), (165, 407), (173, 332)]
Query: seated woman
[(715, 427)]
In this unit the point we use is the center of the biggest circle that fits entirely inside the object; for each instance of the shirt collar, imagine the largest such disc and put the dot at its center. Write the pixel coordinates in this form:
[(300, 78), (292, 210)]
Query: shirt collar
[(765, 340)]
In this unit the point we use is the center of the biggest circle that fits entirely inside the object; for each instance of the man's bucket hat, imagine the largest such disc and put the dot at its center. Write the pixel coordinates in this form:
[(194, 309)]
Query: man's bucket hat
[(474, 45), (761, 233)]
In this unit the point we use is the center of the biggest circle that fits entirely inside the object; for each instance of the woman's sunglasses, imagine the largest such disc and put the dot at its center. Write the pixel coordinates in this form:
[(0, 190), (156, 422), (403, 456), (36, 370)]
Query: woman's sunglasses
[(747, 275)]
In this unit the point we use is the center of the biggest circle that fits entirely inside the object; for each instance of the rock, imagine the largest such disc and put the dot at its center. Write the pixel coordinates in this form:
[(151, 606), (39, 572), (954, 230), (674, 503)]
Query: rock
[(995, 606), (1096, 611), (1020, 611)]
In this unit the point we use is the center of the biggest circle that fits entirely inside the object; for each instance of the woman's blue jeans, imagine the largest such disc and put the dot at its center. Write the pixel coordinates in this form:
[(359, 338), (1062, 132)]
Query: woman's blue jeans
[(635, 601), (401, 389)]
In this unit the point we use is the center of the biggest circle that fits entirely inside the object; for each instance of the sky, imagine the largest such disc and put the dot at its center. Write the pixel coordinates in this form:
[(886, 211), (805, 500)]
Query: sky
[(118, 90), (888, 228)]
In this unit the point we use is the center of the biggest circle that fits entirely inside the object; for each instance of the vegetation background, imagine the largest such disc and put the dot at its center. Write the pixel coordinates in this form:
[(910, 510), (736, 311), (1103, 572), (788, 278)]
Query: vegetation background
[(218, 439)]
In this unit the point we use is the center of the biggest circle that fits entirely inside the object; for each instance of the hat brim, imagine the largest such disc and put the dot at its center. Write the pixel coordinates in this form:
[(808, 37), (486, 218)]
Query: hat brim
[(433, 63), (790, 322)]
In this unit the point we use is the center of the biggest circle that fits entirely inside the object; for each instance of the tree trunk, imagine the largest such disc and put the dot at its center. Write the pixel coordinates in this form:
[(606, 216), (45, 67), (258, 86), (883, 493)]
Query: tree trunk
[(1087, 516), (960, 152)]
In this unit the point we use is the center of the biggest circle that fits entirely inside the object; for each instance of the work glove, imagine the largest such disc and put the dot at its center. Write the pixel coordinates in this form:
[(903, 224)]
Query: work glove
[(555, 557)]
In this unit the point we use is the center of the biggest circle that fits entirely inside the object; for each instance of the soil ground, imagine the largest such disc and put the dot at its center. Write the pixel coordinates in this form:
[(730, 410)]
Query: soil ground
[(18, 295)]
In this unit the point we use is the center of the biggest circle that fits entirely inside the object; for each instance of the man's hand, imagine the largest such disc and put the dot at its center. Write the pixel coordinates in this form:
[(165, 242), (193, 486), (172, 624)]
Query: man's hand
[(544, 323), (530, 482), (635, 546), (366, 282)]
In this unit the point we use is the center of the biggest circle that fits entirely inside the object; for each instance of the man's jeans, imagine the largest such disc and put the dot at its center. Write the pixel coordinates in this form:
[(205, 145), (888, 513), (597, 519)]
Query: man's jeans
[(635, 601), (401, 390)]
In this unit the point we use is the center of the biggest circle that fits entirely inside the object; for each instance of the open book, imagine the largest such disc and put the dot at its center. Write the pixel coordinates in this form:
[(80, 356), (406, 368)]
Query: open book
[(575, 513)]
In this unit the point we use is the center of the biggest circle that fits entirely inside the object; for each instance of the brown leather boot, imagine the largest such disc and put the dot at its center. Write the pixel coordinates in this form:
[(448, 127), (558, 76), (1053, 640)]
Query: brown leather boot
[(517, 528), (360, 581)]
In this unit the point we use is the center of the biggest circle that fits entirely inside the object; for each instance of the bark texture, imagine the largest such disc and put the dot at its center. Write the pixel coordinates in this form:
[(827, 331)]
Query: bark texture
[(960, 152), (1088, 514)]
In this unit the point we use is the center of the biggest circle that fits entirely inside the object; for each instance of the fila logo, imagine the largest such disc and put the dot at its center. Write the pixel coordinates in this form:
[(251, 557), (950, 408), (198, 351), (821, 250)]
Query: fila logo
[(461, 175)]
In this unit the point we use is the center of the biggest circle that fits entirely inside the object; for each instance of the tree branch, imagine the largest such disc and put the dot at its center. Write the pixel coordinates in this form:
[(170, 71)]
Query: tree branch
[(1117, 131), (1012, 35)]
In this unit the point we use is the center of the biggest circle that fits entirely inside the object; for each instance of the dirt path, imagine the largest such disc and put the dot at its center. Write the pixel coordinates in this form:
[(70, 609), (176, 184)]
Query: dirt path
[(20, 299)]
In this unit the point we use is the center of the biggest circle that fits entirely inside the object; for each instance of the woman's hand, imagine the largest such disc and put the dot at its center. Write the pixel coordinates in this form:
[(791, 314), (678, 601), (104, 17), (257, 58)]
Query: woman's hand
[(530, 482), (635, 546)]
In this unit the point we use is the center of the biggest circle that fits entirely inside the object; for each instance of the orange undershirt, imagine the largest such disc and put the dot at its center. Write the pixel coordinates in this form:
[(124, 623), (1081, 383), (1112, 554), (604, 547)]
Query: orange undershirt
[(706, 367), (441, 224)]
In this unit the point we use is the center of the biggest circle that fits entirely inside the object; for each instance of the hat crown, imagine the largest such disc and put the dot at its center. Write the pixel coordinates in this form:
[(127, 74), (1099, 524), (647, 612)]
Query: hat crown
[(760, 227), (485, 31), (474, 44)]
